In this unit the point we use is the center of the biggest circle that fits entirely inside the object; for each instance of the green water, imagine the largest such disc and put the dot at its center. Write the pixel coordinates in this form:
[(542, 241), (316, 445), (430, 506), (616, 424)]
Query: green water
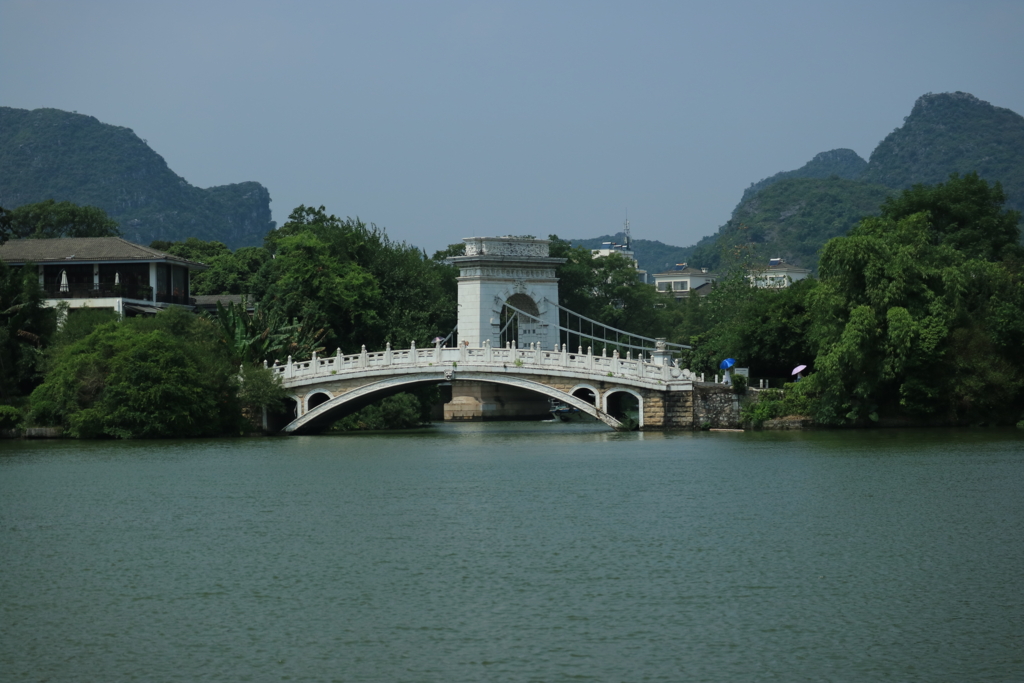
[(516, 552)]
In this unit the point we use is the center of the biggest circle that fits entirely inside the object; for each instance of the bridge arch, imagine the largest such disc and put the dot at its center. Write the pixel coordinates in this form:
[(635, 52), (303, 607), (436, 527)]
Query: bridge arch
[(580, 391), (315, 398), (327, 412), (609, 398)]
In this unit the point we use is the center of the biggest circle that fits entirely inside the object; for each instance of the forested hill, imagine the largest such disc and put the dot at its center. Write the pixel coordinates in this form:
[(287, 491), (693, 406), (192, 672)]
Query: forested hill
[(791, 219), (842, 163), (793, 213), (953, 132), (54, 154)]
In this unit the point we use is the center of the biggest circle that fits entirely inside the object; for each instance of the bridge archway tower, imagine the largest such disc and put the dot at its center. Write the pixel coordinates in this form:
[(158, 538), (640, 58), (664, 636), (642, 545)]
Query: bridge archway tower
[(520, 271)]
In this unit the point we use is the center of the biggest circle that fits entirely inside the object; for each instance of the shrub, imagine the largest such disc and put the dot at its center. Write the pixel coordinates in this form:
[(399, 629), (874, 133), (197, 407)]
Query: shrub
[(793, 399), (10, 417), (401, 411), (166, 376)]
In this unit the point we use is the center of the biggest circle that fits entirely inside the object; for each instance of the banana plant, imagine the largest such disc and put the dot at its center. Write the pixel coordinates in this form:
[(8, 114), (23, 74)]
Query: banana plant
[(267, 335)]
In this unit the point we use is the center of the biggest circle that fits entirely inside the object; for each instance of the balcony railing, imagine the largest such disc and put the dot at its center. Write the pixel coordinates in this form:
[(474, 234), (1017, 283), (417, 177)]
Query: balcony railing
[(173, 299), (91, 291)]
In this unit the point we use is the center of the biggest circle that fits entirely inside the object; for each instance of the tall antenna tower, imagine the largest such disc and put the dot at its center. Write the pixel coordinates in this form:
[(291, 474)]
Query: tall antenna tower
[(625, 231)]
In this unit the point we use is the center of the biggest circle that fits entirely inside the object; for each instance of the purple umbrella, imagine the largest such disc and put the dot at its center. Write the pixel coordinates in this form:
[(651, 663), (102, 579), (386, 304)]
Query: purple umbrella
[(799, 368)]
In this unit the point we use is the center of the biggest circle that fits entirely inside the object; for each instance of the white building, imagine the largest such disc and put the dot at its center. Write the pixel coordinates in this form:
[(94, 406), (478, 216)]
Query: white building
[(778, 274), (104, 272), (609, 248), (683, 280)]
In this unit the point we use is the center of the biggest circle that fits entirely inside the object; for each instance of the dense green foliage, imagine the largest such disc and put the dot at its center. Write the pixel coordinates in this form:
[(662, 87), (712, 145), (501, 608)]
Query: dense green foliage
[(763, 329), (166, 376), (401, 411), (340, 275), (793, 399), (965, 214), (838, 163), (321, 282), (606, 289), (953, 133), (53, 154), (230, 272), (919, 315), (266, 336), (49, 219), (259, 388), (791, 219), (25, 328), (351, 279), (906, 322)]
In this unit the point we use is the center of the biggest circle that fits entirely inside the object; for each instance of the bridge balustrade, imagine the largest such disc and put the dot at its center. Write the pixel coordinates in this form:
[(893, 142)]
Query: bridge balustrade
[(507, 358)]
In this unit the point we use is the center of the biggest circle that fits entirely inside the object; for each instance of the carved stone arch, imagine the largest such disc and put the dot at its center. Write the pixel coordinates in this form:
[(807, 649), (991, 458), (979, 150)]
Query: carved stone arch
[(515, 327), (624, 390), (524, 302), (530, 300), (323, 415), (315, 398), (580, 389)]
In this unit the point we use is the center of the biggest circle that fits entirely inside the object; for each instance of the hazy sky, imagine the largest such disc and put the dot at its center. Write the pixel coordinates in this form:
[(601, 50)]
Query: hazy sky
[(442, 120)]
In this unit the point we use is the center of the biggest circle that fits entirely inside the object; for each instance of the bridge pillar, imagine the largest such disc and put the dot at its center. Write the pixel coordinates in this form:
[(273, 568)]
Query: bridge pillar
[(496, 271), (519, 271), (479, 401)]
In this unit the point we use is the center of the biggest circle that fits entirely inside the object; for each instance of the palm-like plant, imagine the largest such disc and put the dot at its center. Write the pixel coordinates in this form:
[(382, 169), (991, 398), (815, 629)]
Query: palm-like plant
[(267, 335)]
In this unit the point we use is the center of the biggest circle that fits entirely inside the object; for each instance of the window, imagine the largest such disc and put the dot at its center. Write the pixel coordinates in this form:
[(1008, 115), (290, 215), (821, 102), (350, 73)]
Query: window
[(663, 286), (680, 285)]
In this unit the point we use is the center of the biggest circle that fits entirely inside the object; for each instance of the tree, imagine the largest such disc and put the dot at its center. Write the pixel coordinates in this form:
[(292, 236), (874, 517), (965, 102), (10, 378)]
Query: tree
[(49, 219), (258, 388), (25, 327), (229, 272), (160, 377), (622, 301), (765, 329), (907, 323), (253, 338), (577, 277), (348, 277), (965, 213), (6, 225), (450, 251)]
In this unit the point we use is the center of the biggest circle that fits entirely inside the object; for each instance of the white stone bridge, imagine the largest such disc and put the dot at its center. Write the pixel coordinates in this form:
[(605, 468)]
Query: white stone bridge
[(325, 389)]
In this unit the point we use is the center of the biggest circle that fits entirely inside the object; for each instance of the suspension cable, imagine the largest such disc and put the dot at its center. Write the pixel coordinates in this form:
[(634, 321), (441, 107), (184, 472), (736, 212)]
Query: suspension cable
[(604, 330)]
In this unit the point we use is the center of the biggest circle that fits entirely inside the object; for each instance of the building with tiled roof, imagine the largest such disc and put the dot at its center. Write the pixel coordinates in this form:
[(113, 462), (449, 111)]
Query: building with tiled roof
[(778, 274), (683, 280), (104, 272)]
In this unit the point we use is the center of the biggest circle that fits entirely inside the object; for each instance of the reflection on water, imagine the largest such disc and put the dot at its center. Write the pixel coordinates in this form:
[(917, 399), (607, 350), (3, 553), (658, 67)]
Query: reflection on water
[(516, 551)]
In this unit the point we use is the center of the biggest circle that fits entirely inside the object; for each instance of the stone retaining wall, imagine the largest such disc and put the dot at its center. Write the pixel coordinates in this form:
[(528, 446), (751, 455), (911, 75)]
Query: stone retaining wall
[(44, 432), (715, 406)]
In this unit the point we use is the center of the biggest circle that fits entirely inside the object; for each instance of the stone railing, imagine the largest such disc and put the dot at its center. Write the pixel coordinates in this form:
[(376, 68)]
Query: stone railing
[(532, 359)]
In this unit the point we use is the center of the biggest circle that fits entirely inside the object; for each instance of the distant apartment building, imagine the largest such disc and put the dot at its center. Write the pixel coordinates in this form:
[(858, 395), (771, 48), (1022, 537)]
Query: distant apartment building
[(683, 280), (778, 274), (608, 248)]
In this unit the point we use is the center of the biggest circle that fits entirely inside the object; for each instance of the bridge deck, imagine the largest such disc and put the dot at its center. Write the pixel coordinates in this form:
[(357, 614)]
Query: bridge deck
[(631, 371)]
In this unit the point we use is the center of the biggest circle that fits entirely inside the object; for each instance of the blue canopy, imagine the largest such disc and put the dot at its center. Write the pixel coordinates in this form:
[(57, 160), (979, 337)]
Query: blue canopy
[(727, 363)]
